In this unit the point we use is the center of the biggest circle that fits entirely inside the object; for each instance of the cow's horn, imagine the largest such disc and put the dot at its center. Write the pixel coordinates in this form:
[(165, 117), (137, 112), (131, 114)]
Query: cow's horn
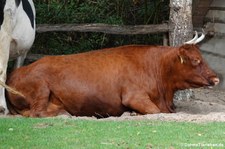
[(192, 41), (200, 38)]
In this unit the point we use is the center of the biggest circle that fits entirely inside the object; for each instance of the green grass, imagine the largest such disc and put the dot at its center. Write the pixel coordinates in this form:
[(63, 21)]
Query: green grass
[(73, 133)]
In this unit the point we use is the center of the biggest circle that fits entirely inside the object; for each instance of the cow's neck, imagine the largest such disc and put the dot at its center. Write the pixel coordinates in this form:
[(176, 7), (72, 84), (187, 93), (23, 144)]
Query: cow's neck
[(166, 69)]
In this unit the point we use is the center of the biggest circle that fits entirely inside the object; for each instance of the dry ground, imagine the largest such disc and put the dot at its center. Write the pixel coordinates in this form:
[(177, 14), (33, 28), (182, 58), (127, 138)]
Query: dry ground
[(206, 105)]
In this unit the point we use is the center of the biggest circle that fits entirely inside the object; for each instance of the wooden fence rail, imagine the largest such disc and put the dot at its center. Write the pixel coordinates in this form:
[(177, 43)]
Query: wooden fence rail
[(104, 28)]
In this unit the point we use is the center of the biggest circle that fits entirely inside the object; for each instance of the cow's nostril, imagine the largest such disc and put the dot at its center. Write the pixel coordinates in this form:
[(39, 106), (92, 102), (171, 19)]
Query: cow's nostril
[(216, 81)]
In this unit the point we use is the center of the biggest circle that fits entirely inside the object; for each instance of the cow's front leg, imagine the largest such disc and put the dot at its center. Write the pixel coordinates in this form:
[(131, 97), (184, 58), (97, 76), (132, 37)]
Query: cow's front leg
[(140, 102)]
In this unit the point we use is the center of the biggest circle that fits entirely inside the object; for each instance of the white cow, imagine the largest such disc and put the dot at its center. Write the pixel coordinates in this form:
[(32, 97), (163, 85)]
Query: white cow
[(17, 33)]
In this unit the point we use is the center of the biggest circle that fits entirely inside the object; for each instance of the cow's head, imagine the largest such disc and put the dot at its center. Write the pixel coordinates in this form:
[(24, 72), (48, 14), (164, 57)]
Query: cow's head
[(192, 69)]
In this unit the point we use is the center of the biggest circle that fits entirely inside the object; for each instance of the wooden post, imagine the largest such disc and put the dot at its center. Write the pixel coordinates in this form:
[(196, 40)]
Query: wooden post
[(181, 30)]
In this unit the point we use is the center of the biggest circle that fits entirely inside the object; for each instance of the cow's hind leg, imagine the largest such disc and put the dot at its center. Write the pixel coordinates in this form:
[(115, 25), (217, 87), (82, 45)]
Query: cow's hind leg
[(140, 102), (39, 98), (55, 107), (54, 110), (46, 104)]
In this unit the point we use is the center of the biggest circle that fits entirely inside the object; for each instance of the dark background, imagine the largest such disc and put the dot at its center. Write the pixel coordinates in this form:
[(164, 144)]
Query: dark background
[(120, 12)]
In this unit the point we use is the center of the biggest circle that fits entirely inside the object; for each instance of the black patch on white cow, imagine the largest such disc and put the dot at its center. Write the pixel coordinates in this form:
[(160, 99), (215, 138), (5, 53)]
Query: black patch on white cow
[(28, 9), (18, 3), (2, 5)]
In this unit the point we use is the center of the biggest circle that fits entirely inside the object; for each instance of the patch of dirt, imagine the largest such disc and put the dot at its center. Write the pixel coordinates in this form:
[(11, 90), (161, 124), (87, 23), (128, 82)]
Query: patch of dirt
[(206, 106)]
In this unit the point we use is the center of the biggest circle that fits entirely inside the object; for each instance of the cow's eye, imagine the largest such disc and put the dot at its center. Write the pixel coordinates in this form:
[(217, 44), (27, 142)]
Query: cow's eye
[(196, 62)]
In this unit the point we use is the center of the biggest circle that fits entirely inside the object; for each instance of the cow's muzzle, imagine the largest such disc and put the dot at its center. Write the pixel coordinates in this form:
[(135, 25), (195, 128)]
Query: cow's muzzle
[(214, 81)]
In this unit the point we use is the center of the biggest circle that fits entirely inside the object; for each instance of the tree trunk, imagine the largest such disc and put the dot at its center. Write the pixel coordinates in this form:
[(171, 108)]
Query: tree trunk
[(181, 30)]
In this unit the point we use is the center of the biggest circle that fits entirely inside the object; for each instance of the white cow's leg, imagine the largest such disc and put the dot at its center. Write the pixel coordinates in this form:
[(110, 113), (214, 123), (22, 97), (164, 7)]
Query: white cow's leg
[(3, 68), (3, 106), (4, 56), (20, 60), (5, 41)]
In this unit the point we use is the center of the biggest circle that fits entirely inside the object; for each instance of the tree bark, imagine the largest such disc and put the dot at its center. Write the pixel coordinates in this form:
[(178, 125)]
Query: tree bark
[(181, 27), (181, 30)]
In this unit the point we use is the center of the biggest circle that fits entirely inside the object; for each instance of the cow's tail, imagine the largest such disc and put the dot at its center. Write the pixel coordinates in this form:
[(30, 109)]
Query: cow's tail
[(10, 89)]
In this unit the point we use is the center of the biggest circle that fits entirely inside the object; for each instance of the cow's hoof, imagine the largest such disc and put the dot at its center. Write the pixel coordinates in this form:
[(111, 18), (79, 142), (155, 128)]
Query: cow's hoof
[(134, 114), (2, 110), (64, 114)]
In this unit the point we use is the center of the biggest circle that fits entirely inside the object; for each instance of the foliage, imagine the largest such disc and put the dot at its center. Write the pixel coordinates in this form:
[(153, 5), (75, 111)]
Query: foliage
[(122, 12), (98, 11), (73, 133), (75, 11)]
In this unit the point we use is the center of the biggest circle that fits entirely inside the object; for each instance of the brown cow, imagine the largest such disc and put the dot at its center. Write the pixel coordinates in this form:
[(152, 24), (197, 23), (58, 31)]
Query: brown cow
[(108, 82)]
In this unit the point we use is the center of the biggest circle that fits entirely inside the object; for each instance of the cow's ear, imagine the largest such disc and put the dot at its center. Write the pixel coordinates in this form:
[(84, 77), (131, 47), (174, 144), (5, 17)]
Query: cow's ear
[(182, 55), (181, 59)]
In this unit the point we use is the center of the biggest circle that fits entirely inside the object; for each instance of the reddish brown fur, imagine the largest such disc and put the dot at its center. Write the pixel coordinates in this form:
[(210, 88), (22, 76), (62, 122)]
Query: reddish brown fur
[(108, 82)]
